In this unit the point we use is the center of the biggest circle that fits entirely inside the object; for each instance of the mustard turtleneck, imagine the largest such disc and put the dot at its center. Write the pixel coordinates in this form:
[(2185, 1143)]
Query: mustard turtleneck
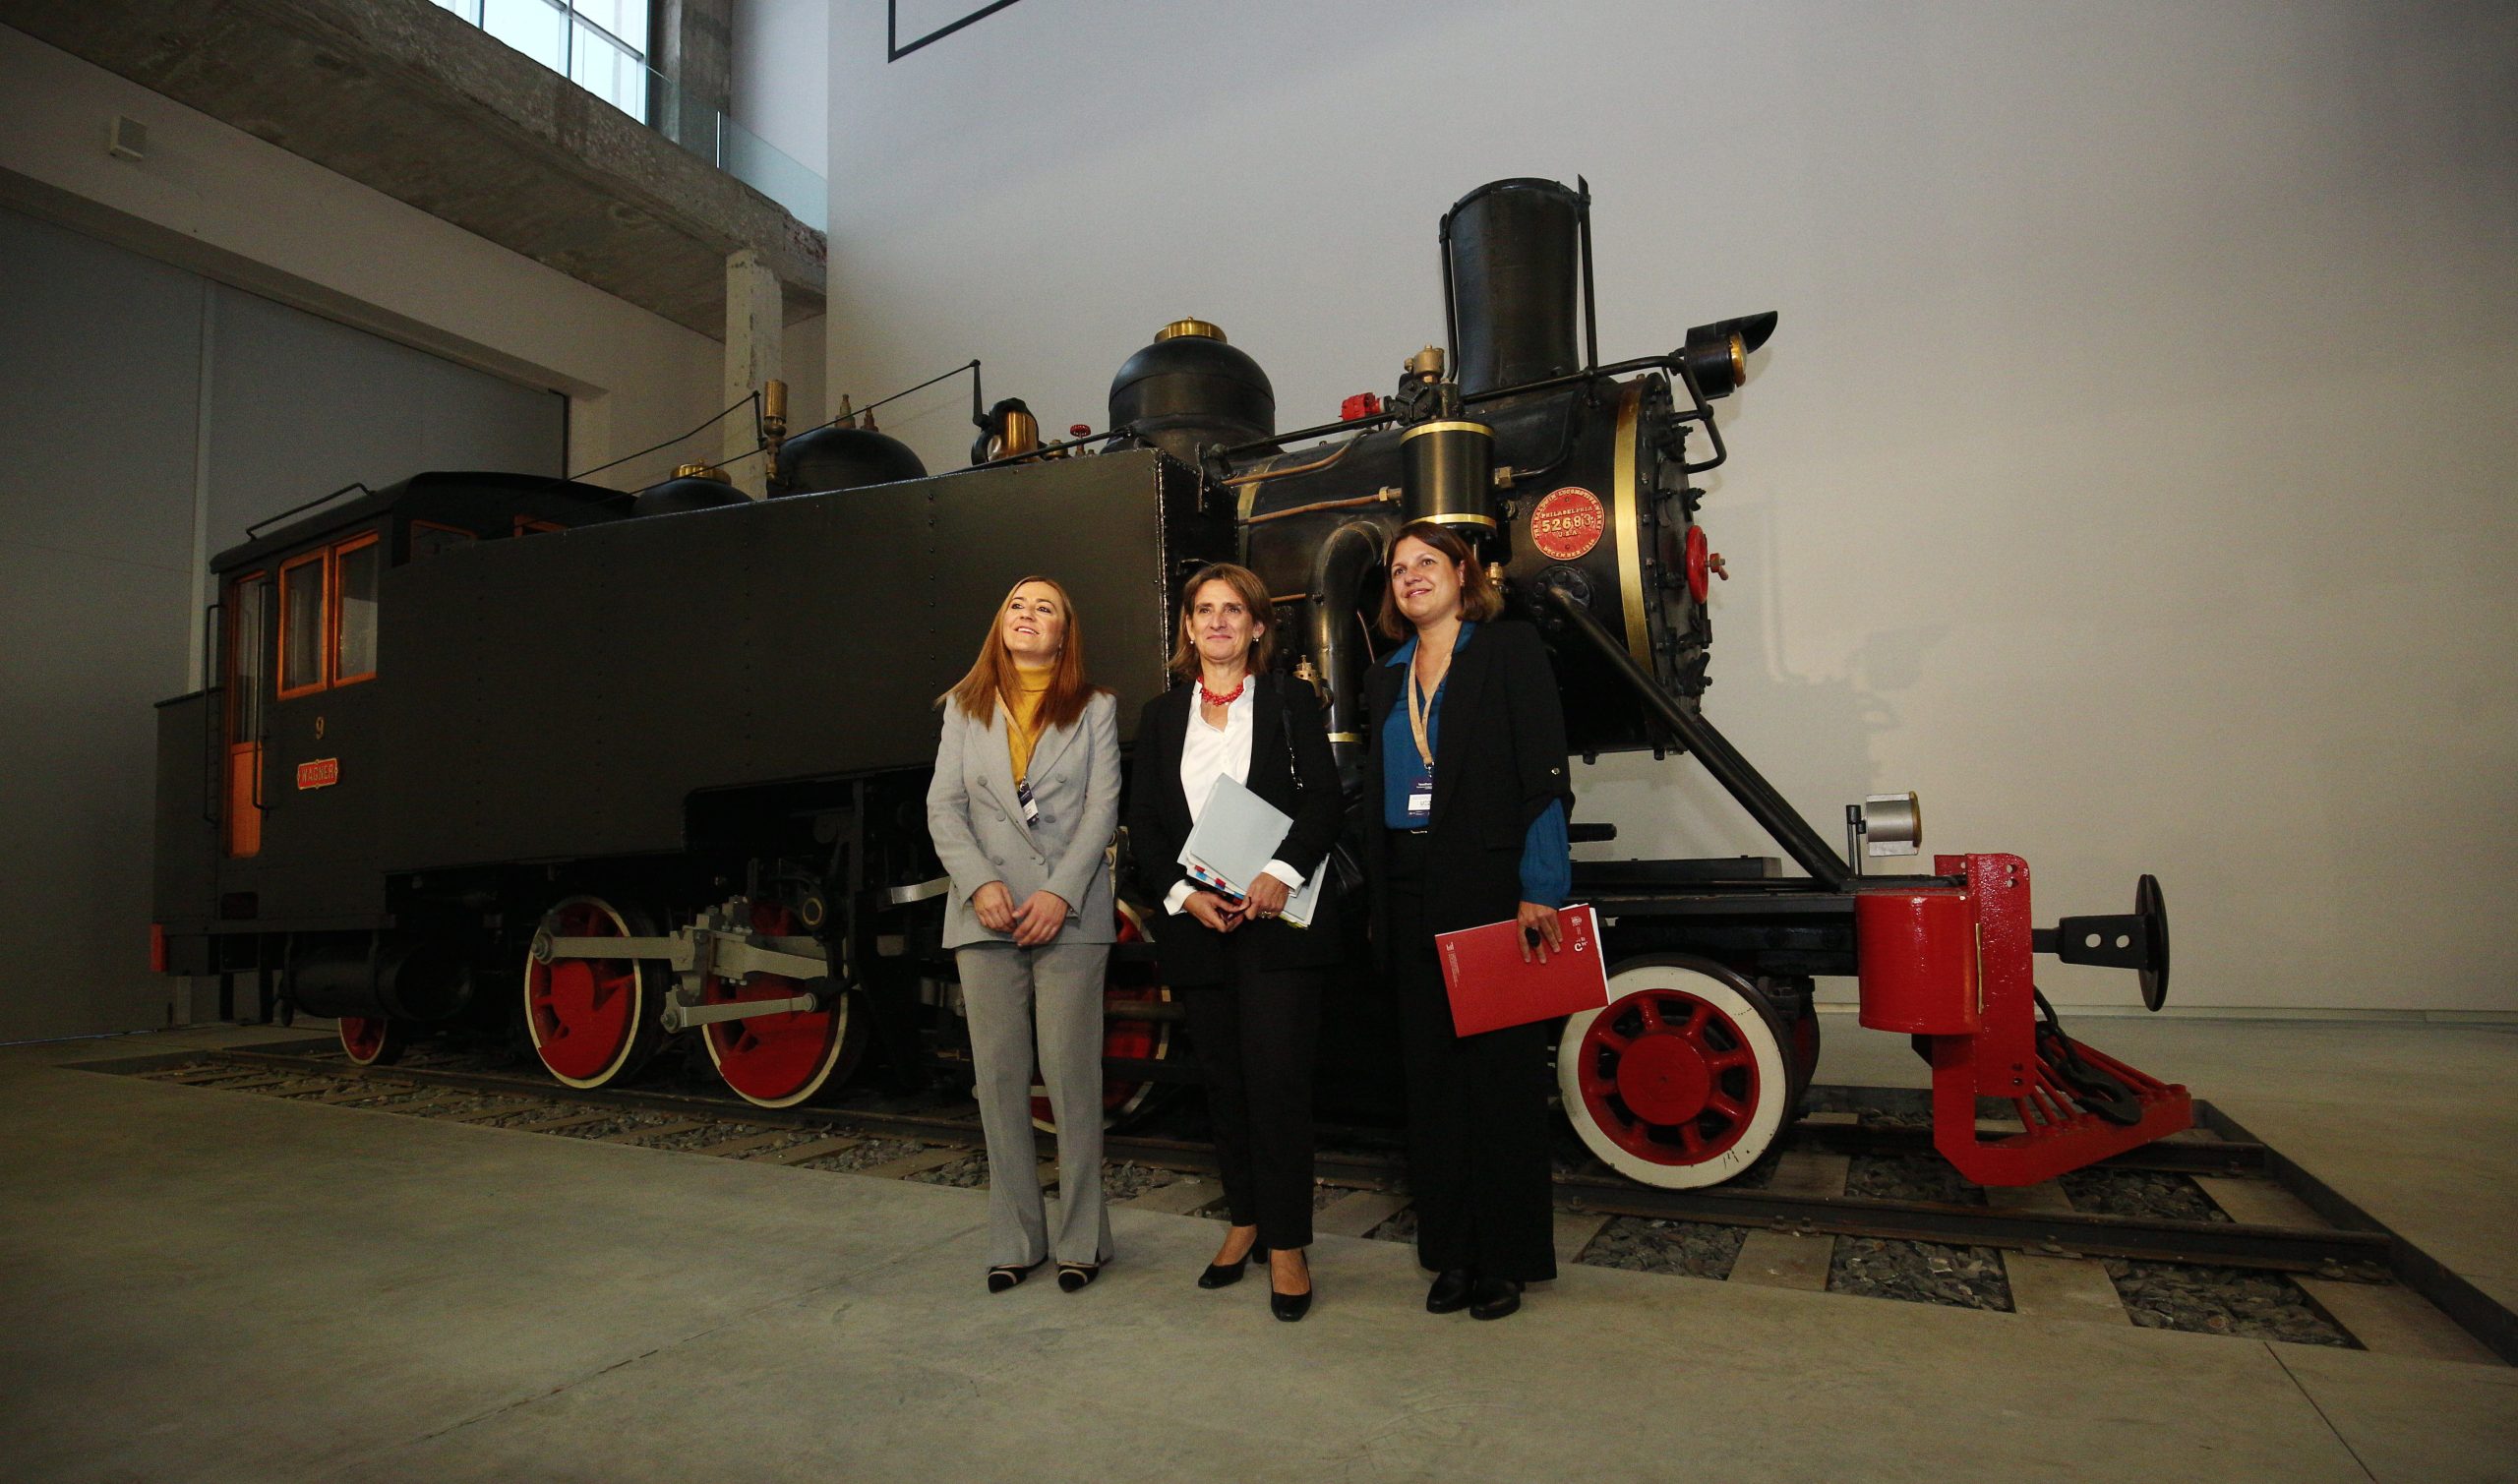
[(1023, 714)]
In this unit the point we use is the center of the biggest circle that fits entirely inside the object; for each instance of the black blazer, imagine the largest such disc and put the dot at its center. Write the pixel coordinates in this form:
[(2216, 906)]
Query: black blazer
[(1286, 732), (1498, 764)]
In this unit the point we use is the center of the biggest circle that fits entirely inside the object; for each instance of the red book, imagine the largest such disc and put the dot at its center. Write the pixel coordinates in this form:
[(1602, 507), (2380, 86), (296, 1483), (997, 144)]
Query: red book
[(1491, 988)]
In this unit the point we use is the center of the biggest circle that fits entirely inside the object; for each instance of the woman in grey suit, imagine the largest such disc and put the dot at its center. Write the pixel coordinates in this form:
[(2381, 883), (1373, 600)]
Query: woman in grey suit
[(1025, 802)]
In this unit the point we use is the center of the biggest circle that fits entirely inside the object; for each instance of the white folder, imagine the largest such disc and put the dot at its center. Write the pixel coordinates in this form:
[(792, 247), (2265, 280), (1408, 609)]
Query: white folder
[(1237, 835)]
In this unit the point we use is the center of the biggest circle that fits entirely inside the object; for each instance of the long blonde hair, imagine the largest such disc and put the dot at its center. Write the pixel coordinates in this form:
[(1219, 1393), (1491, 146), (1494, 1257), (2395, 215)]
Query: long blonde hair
[(992, 674)]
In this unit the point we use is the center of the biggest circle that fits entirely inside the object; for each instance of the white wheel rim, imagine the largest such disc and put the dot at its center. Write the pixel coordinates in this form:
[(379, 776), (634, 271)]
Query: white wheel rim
[(1752, 1030), (638, 990)]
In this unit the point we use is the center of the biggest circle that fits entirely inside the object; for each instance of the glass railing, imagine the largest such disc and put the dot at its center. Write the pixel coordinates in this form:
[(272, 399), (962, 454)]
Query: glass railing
[(599, 46)]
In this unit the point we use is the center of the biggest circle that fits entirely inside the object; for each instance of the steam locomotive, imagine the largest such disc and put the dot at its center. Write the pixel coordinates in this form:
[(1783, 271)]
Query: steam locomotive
[(636, 769)]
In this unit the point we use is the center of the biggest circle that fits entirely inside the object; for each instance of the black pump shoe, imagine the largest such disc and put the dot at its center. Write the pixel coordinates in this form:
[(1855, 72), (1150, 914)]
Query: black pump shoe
[(1289, 1307), (1225, 1275), (1495, 1298), (1452, 1291), (1006, 1275), (1073, 1277)]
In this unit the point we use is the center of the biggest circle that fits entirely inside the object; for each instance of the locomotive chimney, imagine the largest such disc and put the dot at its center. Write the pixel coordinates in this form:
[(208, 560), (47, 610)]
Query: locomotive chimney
[(1512, 254)]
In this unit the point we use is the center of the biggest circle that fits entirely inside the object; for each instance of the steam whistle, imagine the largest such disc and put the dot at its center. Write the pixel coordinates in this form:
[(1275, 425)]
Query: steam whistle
[(774, 422)]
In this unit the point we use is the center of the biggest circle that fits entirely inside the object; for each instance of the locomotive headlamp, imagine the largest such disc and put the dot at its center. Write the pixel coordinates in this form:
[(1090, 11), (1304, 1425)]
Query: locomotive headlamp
[(1884, 824), (1716, 355)]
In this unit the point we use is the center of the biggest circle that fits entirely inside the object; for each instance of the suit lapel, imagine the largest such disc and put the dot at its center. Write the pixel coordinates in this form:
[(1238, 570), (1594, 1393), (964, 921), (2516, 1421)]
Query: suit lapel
[(998, 769), (1171, 734), (1461, 689), (1052, 745), (1267, 725)]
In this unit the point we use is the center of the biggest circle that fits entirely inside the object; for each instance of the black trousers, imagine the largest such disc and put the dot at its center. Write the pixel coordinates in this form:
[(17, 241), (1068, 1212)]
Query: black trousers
[(1257, 1034), (1477, 1111)]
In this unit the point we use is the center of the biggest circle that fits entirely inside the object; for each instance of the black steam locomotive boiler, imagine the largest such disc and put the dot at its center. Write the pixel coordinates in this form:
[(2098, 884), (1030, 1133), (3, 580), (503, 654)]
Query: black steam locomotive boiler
[(485, 746)]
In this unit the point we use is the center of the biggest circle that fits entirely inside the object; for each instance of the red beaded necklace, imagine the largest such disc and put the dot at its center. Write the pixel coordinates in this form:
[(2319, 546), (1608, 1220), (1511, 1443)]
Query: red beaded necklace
[(1224, 699)]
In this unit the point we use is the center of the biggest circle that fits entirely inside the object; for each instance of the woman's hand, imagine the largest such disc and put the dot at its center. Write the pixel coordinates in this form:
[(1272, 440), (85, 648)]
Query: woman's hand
[(1039, 918), (1543, 920), (1212, 909), (1267, 897), (994, 904)]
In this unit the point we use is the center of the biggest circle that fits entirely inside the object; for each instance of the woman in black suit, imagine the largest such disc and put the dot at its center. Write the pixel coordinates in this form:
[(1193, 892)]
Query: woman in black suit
[(1467, 794), (1249, 979)]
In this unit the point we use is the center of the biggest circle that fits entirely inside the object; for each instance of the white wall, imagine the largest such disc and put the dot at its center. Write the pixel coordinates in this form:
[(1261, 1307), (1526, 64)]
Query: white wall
[(781, 87), (220, 202), (2131, 474)]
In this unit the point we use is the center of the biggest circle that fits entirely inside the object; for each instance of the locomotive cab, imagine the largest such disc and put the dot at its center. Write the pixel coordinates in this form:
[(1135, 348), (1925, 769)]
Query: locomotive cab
[(265, 797)]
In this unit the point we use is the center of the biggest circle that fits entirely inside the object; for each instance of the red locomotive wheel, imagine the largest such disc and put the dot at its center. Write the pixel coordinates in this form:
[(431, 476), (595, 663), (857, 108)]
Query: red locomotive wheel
[(1133, 1039), (593, 1021), (1683, 1079), (372, 1041), (777, 1061)]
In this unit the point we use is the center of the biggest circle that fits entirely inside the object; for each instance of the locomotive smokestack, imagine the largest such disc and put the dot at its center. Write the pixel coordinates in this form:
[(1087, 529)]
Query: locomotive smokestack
[(1512, 253)]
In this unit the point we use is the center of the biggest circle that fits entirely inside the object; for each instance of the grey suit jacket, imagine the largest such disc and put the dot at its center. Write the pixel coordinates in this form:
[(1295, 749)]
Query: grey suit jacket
[(979, 830)]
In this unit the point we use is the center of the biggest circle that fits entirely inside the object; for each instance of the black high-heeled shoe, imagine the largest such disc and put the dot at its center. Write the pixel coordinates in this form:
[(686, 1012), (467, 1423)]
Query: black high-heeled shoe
[(1225, 1275), (1288, 1306), (1006, 1274), (1074, 1277)]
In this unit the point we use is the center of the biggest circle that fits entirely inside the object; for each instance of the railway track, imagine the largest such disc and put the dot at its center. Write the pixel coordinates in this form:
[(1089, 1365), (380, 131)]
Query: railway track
[(1813, 1222)]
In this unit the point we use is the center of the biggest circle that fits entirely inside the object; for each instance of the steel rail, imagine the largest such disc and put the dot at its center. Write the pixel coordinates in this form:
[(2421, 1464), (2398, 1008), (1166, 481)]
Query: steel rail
[(2341, 1252)]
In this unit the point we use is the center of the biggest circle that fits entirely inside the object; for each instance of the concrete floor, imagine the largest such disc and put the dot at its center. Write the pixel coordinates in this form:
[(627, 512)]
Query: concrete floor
[(205, 1285)]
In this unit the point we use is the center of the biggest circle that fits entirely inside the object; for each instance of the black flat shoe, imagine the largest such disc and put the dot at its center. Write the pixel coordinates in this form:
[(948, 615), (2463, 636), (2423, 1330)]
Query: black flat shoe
[(1074, 1277), (1450, 1292), (1495, 1298), (1225, 1275), (1006, 1275)]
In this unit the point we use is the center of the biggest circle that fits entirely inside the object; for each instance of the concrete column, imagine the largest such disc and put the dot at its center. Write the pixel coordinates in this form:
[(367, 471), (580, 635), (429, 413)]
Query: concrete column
[(693, 45), (754, 330)]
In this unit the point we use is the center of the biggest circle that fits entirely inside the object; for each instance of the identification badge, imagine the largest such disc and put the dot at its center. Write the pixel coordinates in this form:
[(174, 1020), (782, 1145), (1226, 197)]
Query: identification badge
[(1031, 806), (1421, 800)]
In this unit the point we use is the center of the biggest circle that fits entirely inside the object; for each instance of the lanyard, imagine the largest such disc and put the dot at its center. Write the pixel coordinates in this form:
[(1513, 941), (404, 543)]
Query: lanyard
[(1417, 718)]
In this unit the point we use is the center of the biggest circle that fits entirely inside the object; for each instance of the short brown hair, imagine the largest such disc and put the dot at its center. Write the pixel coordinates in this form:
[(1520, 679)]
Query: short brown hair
[(993, 674), (1253, 593), (1479, 599)]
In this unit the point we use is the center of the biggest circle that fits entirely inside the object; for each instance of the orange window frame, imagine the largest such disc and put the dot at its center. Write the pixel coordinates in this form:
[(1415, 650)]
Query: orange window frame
[(527, 525), (241, 773), (332, 608), (322, 560), (418, 526)]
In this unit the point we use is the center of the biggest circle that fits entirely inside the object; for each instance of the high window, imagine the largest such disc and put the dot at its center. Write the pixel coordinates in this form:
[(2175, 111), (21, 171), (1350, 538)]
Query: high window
[(601, 45)]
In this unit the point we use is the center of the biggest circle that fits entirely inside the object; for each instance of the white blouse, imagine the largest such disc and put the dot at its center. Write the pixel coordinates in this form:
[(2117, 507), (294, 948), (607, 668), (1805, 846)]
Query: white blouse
[(1208, 753)]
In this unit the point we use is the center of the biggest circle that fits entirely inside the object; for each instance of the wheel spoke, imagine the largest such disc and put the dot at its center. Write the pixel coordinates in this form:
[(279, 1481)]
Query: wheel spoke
[(1692, 1141), (1722, 1103), (1650, 1012), (1724, 1061)]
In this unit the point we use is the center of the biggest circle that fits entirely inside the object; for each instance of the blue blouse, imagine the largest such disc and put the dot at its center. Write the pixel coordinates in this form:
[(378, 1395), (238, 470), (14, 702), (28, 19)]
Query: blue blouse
[(1547, 854)]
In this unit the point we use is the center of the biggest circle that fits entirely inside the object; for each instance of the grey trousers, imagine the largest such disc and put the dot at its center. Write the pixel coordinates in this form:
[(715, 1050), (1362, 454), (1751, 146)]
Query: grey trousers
[(1006, 990)]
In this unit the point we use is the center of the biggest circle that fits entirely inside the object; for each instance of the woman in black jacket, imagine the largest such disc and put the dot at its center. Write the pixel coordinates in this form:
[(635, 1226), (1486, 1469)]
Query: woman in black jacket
[(1250, 980), (1468, 795)]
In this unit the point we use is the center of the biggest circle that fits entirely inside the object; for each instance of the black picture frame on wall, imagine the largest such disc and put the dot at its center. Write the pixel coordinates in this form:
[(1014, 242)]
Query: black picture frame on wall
[(892, 26)]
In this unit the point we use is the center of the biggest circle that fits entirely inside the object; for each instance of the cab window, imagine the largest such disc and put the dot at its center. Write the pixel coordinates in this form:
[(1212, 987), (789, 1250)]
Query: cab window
[(248, 621), (428, 537), (356, 565), (301, 623)]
